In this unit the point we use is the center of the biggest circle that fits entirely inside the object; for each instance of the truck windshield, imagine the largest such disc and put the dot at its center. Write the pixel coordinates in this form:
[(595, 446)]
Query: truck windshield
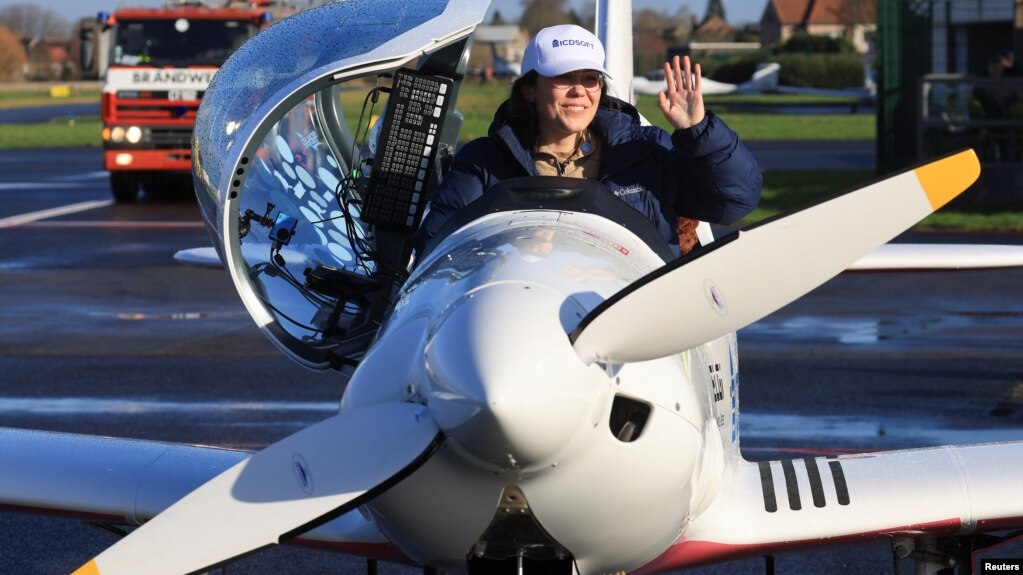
[(179, 42)]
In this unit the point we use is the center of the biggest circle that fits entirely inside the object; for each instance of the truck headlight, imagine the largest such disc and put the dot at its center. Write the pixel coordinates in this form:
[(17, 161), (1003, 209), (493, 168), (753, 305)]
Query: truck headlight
[(133, 135)]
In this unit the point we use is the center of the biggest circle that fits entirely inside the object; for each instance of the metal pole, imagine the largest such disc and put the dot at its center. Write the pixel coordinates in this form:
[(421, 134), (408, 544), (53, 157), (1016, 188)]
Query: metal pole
[(1017, 29), (614, 28)]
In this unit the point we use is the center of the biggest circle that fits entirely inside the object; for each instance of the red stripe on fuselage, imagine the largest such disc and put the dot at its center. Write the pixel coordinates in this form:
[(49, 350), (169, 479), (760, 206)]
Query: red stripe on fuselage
[(691, 553), (381, 551)]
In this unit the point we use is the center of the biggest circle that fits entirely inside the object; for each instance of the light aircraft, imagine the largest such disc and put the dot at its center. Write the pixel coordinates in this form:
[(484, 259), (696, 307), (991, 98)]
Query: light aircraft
[(765, 79), (547, 390)]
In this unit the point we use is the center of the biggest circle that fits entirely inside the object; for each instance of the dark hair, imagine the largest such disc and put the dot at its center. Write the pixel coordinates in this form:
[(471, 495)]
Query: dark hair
[(521, 113)]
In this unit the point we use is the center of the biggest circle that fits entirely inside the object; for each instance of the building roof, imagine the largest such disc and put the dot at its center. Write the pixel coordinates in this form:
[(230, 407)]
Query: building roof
[(790, 11), (713, 28), (827, 12), (57, 54), (502, 34), (823, 11), (55, 49)]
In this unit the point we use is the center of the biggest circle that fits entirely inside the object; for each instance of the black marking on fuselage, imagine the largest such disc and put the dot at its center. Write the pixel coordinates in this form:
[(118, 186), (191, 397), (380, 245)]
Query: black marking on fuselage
[(816, 486), (767, 483), (792, 488), (717, 384), (791, 484), (840, 486)]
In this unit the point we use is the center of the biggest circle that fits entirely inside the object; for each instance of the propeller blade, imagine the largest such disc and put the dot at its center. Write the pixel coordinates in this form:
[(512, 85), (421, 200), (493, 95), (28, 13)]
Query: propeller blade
[(740, 279), (280, 492)]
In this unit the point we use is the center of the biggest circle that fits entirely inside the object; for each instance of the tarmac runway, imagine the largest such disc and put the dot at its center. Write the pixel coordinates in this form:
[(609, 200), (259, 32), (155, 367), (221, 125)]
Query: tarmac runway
[(46, 113), (101, 332)]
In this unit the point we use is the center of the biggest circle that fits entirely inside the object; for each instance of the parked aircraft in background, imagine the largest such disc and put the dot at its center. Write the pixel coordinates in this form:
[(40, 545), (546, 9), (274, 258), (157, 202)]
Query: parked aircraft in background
[(763, 80)]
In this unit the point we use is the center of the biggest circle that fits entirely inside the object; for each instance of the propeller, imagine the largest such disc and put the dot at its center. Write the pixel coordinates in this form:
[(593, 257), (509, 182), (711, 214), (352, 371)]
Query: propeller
[(756, 271), (292, 486)]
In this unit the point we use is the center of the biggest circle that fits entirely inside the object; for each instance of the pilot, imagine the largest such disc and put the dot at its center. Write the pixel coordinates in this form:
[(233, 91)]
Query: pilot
[(560, 120)]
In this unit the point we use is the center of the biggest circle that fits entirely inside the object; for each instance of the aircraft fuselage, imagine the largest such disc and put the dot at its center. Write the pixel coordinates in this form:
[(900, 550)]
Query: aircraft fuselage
[(604, 456)]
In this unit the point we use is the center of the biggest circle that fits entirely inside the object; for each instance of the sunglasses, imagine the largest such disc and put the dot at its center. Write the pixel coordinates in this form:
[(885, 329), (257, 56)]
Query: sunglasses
[(590, 81)]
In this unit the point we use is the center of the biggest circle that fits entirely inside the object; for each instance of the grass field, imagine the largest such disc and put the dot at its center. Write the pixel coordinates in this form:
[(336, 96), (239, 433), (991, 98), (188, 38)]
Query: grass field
[(478, 103), (783, 191), (24, 99), (786, 191), (84, 132), (770, 126)]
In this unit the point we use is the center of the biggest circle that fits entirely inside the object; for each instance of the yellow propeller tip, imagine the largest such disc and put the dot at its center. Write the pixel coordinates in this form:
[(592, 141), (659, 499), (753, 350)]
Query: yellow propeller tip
[(947, 178), (89, 568)]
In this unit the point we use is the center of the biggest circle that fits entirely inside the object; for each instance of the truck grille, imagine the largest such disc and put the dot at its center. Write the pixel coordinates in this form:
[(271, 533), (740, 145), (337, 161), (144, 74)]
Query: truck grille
[(171, 136)]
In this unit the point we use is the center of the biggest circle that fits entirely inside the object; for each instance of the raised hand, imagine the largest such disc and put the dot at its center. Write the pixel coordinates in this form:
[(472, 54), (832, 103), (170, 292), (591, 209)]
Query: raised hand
[(682, 101)]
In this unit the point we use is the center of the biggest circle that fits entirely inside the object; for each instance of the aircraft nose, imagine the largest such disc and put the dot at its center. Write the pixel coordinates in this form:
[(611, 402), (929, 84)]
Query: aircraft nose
[(505, 384)]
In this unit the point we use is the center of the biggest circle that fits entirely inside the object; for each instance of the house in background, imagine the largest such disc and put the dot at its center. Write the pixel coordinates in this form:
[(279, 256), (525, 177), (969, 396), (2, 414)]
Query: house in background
[(965, 33), (714, 28), (935, 94), (852, 19), (47, 58), (499, 48)]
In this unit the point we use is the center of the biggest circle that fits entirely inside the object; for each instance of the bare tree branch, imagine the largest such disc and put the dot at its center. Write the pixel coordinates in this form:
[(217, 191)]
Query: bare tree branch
[(34, 21)]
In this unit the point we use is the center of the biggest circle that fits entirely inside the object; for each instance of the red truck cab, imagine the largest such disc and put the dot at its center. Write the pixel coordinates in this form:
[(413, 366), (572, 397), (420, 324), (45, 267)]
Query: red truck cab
[(159, 63)]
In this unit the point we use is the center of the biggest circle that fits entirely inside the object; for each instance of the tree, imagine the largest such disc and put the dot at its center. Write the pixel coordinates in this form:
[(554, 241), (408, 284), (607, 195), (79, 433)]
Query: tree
[(715, 8), (681, 22), (803, 43), (12, 55), (497, 19), (575, 18), (540, 14), (654, 32), (32, 21)]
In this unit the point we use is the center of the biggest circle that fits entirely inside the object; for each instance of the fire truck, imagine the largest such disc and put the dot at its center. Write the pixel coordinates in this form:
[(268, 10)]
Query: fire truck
[(156, 64)]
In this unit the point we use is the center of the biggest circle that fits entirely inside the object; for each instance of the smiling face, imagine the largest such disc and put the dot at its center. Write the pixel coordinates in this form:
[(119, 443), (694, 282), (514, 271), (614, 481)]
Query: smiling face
[(564, 106)]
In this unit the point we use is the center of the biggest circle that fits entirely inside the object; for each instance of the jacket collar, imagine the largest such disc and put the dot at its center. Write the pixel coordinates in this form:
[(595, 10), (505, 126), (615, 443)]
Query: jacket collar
[(615, 127)]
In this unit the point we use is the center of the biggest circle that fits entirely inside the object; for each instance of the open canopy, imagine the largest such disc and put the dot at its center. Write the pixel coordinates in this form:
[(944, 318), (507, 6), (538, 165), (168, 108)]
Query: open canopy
[(280, 146)]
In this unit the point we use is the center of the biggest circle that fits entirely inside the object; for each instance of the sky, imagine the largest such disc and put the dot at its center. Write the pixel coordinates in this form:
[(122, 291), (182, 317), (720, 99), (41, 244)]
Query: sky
[(738, 11)]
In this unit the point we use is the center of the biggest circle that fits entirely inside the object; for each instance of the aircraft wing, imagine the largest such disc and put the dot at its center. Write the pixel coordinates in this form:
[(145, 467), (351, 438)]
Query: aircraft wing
[(208, 257), (920, 257), (775, 506), (887, 258), (128, 482), (200, 257)]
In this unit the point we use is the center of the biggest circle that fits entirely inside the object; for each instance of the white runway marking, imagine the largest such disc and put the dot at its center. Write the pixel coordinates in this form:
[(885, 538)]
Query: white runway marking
[(20, 220), (115, 406), (35, 185), (113, 224), (99, 175), (57, 182)]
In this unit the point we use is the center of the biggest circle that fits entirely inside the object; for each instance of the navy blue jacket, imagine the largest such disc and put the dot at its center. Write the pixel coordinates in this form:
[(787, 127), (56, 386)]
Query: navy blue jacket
[(703, 172)]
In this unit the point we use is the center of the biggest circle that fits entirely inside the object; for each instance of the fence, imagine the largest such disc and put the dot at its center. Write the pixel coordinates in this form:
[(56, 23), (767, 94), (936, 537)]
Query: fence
[(958, 111)]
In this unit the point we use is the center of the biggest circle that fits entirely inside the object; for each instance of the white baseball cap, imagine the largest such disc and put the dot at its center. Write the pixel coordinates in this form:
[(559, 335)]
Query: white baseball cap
[(562, 49)]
